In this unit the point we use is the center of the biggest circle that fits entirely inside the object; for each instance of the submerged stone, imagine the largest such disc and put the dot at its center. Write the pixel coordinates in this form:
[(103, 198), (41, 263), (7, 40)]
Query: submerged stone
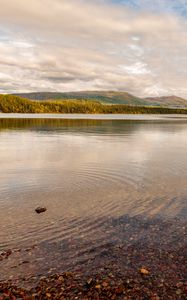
[(40, 210)]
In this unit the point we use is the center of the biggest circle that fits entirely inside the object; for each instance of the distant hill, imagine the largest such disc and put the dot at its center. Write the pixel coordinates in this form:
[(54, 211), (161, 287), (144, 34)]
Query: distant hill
[(173, 101), (109, 97), (103, 97)]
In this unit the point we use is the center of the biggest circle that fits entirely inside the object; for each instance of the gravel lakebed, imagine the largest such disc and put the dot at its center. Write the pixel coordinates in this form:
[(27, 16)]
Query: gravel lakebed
[(146, 260)]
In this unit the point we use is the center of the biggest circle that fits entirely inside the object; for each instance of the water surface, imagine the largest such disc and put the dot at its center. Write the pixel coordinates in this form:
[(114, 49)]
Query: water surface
[(88, 173)]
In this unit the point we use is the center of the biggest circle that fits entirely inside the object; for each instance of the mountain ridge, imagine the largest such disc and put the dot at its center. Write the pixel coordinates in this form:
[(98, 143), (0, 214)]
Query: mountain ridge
[(108, 97)]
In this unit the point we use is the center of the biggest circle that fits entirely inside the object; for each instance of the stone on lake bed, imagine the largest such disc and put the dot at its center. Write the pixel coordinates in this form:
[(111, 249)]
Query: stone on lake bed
[(144, 271), (40, 209)]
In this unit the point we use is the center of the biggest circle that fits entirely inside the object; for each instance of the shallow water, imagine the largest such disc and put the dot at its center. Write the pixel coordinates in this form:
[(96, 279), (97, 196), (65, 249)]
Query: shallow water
[(88, 173)]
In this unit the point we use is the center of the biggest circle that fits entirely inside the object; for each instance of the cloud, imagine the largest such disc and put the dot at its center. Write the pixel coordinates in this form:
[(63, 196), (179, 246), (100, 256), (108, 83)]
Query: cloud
[(87, 45)]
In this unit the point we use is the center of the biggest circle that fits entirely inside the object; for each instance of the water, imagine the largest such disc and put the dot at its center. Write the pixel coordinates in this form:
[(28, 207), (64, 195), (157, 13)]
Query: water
[(88, 173)]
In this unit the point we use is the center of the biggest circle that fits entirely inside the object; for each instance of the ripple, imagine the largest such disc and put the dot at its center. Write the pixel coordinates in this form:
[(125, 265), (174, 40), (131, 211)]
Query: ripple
[(86, 174)]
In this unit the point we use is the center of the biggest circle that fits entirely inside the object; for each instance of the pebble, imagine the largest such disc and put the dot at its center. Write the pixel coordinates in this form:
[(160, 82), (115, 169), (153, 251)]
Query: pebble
[(40, 210)]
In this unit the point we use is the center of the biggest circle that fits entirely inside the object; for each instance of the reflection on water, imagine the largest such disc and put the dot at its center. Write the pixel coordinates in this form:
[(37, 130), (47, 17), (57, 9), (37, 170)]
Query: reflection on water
[(87, 171), (101, 181)]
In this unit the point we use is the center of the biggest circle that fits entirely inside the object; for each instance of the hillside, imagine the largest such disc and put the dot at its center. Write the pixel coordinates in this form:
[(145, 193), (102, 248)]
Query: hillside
[(173, 101), (103, 97), (109, 97), (16, 104)]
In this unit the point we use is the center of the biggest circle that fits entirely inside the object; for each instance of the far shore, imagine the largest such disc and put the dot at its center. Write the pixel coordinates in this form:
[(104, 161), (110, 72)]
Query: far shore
[(16, 104)]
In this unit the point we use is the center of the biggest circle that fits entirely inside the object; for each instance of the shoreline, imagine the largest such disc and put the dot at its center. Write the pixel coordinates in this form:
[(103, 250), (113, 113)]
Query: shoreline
[(154, 280), (136, 117)]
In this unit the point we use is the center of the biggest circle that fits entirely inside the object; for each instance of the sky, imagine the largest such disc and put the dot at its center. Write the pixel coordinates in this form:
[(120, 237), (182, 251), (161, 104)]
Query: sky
[(137, 46)]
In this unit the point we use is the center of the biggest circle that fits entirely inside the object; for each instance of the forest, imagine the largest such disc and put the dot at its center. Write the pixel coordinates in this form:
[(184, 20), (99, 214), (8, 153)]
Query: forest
[(16, 104)]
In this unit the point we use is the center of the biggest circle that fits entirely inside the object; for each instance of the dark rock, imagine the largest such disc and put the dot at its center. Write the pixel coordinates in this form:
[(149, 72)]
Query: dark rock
[(40, 210)]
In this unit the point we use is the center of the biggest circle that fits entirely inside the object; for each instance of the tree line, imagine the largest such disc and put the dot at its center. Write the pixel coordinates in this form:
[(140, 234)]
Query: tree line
[(16, 104)]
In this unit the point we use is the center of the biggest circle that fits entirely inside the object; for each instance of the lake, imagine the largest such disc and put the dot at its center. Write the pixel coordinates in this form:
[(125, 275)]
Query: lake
[(92, 173)]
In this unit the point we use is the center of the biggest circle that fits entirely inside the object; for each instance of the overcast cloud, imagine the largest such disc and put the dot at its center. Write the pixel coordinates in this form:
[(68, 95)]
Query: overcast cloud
[(71, 45)]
